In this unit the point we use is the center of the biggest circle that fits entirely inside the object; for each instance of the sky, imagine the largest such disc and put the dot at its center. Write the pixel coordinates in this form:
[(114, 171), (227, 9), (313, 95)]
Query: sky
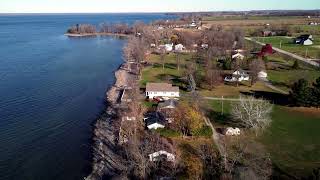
[(100, 6)]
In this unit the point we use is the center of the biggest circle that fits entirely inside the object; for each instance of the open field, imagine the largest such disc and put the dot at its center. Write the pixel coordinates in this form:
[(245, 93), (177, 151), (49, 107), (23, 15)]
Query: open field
[(257, 20), (292, 139), (295, 24), (223, 18), (287, 44)]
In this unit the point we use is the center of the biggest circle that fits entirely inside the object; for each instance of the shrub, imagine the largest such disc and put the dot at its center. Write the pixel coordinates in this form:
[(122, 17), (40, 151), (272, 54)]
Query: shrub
[(295, 65), (168, 132), (205, 131)]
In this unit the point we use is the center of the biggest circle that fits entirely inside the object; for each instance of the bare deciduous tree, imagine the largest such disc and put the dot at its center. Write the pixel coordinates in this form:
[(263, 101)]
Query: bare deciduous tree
[(252, 113), (255, 67), (162, 58), (139, 146), (245, 158)]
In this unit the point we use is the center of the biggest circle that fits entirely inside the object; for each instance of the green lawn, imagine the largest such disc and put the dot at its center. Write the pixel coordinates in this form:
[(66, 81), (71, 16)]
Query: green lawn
[(283, 76), (288, 45), (293, 139), (156, 73)]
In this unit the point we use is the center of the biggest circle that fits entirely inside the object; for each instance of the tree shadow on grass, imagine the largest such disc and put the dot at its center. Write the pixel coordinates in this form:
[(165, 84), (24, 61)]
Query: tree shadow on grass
[(219, 118), (280, 84), (275, 98), (170, 66)]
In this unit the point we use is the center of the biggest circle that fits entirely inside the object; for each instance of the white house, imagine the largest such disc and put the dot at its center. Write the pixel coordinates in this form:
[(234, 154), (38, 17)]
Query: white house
[(193, 25), (305, 39), (238, 75), (308, 42), (232, 131), (155, 125), (168, 47), (262, 74), (204, 46), (161, 90), (238, 56), (156, 156), (179, 47)]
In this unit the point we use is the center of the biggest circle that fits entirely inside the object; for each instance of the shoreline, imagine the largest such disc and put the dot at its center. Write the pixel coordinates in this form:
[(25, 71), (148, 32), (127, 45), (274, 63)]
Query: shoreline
[(105, 158), (96, 34)]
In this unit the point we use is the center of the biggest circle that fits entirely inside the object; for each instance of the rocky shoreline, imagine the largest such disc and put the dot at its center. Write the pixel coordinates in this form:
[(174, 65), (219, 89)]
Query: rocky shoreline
[(106, 160)]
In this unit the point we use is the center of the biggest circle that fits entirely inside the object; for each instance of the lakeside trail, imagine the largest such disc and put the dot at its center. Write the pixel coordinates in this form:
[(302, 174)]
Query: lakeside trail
[(106, 159)]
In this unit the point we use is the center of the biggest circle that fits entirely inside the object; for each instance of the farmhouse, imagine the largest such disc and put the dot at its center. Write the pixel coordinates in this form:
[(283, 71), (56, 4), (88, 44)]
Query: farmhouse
[(159, 155), (161, 90), (305, 39), (239, 75)]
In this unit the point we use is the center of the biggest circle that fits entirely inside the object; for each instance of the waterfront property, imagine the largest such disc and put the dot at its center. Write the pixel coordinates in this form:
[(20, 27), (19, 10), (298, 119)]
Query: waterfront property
[(161, 90)]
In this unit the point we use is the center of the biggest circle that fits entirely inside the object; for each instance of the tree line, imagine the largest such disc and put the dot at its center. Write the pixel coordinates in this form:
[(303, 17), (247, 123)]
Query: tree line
[(304, 93)]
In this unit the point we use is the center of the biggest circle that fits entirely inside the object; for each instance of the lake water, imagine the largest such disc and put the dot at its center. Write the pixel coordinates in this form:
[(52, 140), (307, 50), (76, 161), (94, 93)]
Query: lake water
[(52, 89)]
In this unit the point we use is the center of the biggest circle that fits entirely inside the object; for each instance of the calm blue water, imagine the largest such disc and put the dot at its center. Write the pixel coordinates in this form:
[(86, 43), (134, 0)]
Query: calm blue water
[(51, 90)]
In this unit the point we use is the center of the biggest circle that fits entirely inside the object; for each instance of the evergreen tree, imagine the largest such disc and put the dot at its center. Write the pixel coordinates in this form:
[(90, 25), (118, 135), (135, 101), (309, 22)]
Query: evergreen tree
[(316, 93), (301, 93), (295, 65)]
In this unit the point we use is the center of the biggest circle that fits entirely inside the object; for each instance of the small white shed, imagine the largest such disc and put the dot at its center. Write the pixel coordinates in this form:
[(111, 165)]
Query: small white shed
[(232, 131), (262, 74)]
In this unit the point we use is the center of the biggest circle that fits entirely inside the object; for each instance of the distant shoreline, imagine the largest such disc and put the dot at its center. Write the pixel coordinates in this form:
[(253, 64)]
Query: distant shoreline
[(96, 34)]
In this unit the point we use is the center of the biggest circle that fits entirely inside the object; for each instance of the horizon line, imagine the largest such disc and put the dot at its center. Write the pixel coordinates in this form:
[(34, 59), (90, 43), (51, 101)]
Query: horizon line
[(147, 12)]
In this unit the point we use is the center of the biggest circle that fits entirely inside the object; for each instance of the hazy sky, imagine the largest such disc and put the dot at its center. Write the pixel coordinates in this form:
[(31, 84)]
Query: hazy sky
[(65, 6)]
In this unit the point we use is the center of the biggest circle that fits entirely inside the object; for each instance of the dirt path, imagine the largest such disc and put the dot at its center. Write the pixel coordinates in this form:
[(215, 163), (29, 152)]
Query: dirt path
[(215, 137), (287, 53), (271, 86)]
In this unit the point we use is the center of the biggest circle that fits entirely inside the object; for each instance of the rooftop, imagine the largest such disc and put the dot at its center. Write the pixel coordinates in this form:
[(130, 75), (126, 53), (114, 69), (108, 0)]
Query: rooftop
[(163, 87)]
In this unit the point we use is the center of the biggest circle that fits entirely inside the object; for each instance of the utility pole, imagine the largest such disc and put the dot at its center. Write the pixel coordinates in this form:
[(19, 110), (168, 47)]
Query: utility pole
[(280, 44), (306, 52), (222, 106)]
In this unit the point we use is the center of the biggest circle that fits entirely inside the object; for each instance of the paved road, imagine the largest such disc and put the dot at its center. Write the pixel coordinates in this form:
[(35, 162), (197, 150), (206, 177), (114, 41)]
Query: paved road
[(287, 53)]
